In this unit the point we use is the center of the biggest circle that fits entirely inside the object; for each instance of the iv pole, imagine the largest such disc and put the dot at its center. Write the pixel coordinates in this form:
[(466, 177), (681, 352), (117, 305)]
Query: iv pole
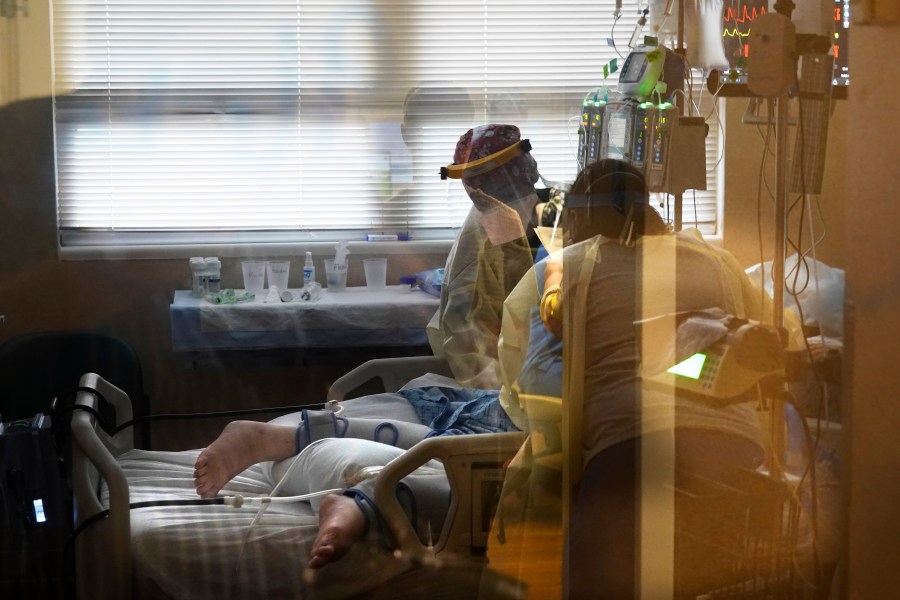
[(783, 7), (680, 50)]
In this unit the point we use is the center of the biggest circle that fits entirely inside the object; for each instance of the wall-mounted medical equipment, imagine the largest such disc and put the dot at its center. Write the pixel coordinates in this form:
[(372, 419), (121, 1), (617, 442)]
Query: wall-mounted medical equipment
[(828, 20), (667, 147)]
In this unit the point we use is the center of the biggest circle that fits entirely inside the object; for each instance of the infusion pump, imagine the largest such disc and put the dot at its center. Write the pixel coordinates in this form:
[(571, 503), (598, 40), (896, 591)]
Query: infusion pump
[(667, 147), (731, 369)]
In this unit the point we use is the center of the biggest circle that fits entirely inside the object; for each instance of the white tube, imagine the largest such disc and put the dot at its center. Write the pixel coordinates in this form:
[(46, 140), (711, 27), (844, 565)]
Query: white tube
[(238, 500)]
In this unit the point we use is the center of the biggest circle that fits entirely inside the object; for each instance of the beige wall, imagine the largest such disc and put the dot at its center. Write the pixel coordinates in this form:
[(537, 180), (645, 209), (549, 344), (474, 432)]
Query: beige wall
[(25, 52), (872, 218)]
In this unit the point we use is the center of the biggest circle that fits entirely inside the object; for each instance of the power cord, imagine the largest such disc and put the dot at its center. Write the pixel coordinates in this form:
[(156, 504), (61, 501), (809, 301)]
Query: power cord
[(56, 409), (224, 413)]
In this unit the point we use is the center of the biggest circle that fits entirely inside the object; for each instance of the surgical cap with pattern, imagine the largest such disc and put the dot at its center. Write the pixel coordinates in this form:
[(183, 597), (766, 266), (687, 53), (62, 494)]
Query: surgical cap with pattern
[(485, 140)]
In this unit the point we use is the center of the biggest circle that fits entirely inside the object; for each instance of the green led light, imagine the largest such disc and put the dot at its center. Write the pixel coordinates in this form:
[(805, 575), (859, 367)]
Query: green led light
[(646, 105), (689, 367)]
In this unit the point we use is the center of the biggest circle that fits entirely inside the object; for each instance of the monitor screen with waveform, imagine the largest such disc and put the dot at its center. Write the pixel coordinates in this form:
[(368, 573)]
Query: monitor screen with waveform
[(737, 21)]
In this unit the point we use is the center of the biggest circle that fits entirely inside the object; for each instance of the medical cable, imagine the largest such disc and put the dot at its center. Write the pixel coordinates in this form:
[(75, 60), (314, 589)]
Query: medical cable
[(69, 544), (810, 471), (236, 500), (55, 409), (612, 34), (811, 443), (224, 413), (791, 281), (264, 506)]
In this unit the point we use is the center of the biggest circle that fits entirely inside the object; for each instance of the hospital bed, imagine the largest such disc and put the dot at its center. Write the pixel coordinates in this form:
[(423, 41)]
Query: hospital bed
[(219, 551), (139, 549)]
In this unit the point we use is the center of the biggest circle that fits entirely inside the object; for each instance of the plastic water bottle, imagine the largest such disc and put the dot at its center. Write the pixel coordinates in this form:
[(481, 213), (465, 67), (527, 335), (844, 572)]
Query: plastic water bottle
[(213, 275), (198, 277), (309, 270)]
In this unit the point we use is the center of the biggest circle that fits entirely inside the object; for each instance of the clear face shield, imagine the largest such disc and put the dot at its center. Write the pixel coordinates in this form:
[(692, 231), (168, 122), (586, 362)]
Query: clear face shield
[(504, 200)]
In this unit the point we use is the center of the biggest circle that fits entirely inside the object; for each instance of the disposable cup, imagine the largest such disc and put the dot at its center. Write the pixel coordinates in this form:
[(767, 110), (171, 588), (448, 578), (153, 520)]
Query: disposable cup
[(335, 275), (376, 272), (254, 275), (277, 272)]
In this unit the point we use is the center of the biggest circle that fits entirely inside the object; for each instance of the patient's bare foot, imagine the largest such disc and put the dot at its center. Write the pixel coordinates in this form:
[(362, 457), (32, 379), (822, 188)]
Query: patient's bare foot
[(341, 524), (240, 445)]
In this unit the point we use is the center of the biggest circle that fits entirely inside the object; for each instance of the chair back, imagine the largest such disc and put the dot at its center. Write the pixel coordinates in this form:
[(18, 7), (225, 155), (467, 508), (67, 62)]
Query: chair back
[(37, 367)]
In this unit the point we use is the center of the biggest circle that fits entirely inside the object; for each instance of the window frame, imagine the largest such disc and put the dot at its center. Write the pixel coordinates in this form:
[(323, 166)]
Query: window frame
[(95, 245)]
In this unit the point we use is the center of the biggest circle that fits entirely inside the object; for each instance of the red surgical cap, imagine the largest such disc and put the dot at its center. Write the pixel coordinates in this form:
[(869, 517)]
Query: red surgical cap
[(485, 140)]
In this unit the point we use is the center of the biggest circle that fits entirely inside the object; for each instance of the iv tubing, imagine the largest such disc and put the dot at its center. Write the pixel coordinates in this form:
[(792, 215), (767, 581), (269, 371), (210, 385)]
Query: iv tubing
[(238, 500)]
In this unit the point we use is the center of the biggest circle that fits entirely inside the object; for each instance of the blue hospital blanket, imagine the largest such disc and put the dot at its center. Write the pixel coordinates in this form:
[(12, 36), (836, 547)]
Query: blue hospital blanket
[(459, 411)]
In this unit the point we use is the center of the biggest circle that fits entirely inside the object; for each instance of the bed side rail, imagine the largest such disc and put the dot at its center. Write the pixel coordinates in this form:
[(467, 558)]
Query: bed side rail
[(394, 373), (104, 549), (465, 459)]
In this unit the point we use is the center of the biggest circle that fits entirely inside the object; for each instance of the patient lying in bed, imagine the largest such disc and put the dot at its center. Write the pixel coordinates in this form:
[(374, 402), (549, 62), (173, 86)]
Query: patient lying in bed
[(436, 406)]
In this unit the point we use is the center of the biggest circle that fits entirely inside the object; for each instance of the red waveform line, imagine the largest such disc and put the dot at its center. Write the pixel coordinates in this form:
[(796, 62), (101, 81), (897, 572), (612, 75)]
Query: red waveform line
[(745, 15)]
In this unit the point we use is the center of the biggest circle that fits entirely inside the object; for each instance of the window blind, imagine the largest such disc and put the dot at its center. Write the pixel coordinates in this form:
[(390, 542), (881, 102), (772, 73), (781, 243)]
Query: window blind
[(221, 119)]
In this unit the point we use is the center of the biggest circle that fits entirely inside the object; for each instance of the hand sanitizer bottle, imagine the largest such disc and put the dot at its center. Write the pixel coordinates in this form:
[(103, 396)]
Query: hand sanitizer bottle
[(309, 270)]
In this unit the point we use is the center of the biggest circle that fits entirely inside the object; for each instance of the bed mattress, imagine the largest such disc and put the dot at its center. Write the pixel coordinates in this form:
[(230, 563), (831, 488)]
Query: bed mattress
[(218, 551)]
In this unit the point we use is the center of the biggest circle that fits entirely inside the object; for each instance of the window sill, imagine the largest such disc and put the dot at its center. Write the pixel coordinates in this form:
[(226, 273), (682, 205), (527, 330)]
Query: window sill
[(260, 250)]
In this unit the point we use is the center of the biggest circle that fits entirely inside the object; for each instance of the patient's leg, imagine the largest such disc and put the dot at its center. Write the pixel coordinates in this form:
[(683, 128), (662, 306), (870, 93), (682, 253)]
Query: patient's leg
[(240, 445), (341, 524)]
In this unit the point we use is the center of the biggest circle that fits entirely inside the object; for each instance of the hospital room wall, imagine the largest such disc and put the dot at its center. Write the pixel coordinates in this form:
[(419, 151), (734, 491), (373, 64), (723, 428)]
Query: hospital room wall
[(873, 285)]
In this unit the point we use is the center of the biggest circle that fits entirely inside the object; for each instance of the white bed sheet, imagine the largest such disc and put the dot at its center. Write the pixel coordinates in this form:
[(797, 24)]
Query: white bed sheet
[(210, 551)]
